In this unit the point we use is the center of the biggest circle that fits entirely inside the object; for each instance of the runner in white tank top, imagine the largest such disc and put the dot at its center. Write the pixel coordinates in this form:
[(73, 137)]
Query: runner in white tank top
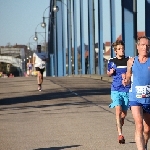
[(39, 61)]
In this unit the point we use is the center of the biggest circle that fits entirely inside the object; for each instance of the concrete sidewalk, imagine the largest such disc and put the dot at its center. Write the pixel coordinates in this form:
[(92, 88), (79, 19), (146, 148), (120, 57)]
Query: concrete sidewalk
[(70, 113)]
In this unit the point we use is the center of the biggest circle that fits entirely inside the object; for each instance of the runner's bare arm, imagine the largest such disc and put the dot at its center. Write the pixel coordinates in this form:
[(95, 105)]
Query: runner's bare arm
[(110, 72), (34, 60), (129, 70)]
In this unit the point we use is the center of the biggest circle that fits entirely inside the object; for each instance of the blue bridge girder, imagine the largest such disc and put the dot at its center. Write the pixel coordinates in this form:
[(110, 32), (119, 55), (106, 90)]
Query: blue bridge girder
[(67, 26)]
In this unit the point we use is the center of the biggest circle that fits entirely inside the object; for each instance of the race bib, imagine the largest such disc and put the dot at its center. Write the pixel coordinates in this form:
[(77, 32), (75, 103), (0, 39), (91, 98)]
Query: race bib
[(142, 91)]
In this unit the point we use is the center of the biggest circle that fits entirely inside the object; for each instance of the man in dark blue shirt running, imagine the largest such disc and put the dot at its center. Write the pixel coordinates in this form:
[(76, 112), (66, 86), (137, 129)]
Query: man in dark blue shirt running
[(117, 68)]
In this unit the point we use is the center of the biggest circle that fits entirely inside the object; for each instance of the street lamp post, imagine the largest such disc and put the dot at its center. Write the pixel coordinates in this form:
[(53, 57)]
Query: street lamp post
[(43, 24), (29, 42), (56, 8), (36, 36), (29, 45), (54, 38), (50, 52)]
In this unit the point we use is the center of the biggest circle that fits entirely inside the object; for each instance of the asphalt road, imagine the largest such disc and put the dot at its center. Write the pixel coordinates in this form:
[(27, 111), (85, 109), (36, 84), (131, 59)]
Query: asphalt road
[(71, 113)]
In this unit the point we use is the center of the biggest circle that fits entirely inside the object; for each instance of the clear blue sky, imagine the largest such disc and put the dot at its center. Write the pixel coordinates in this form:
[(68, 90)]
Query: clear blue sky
[(19, 18)]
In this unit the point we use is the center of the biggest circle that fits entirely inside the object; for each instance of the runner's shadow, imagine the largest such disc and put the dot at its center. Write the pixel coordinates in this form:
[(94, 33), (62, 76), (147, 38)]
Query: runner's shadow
[(58, 148), (132, 142)]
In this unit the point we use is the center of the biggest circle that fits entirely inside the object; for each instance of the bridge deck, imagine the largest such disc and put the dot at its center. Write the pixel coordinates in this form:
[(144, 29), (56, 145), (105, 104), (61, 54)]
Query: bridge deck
[(70, 113)]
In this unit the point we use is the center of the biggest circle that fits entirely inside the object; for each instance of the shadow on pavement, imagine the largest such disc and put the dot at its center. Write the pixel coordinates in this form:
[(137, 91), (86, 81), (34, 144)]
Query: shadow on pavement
[(54, 95), (58, 148)]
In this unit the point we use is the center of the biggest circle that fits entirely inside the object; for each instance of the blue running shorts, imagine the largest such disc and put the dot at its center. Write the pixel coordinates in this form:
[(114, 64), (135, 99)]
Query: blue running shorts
[(120, 99), (145, 107)]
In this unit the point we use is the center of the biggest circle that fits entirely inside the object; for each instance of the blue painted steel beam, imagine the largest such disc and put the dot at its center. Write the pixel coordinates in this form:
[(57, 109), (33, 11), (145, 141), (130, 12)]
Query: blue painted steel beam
[(135, 25), (91, 37), (147, 18), (54, 42), (128, 27), (82, 50), (59, 41), (75, 37), (69, 36), (63, 38), (52, 65), (112, 25), (100, 37)]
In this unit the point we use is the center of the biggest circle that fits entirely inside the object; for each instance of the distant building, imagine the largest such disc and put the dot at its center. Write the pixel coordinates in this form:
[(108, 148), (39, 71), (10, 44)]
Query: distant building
[(13, 59), (107, 53)]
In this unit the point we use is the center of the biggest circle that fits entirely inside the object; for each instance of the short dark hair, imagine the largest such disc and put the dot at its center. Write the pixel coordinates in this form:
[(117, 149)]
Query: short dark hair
[(38, 45), (142, 37), (118, 42)]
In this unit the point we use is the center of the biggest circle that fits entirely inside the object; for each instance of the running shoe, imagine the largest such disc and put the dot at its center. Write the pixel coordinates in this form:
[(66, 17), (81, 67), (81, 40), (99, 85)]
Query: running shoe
[(39, 88), (121, 139), (146, 147)]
